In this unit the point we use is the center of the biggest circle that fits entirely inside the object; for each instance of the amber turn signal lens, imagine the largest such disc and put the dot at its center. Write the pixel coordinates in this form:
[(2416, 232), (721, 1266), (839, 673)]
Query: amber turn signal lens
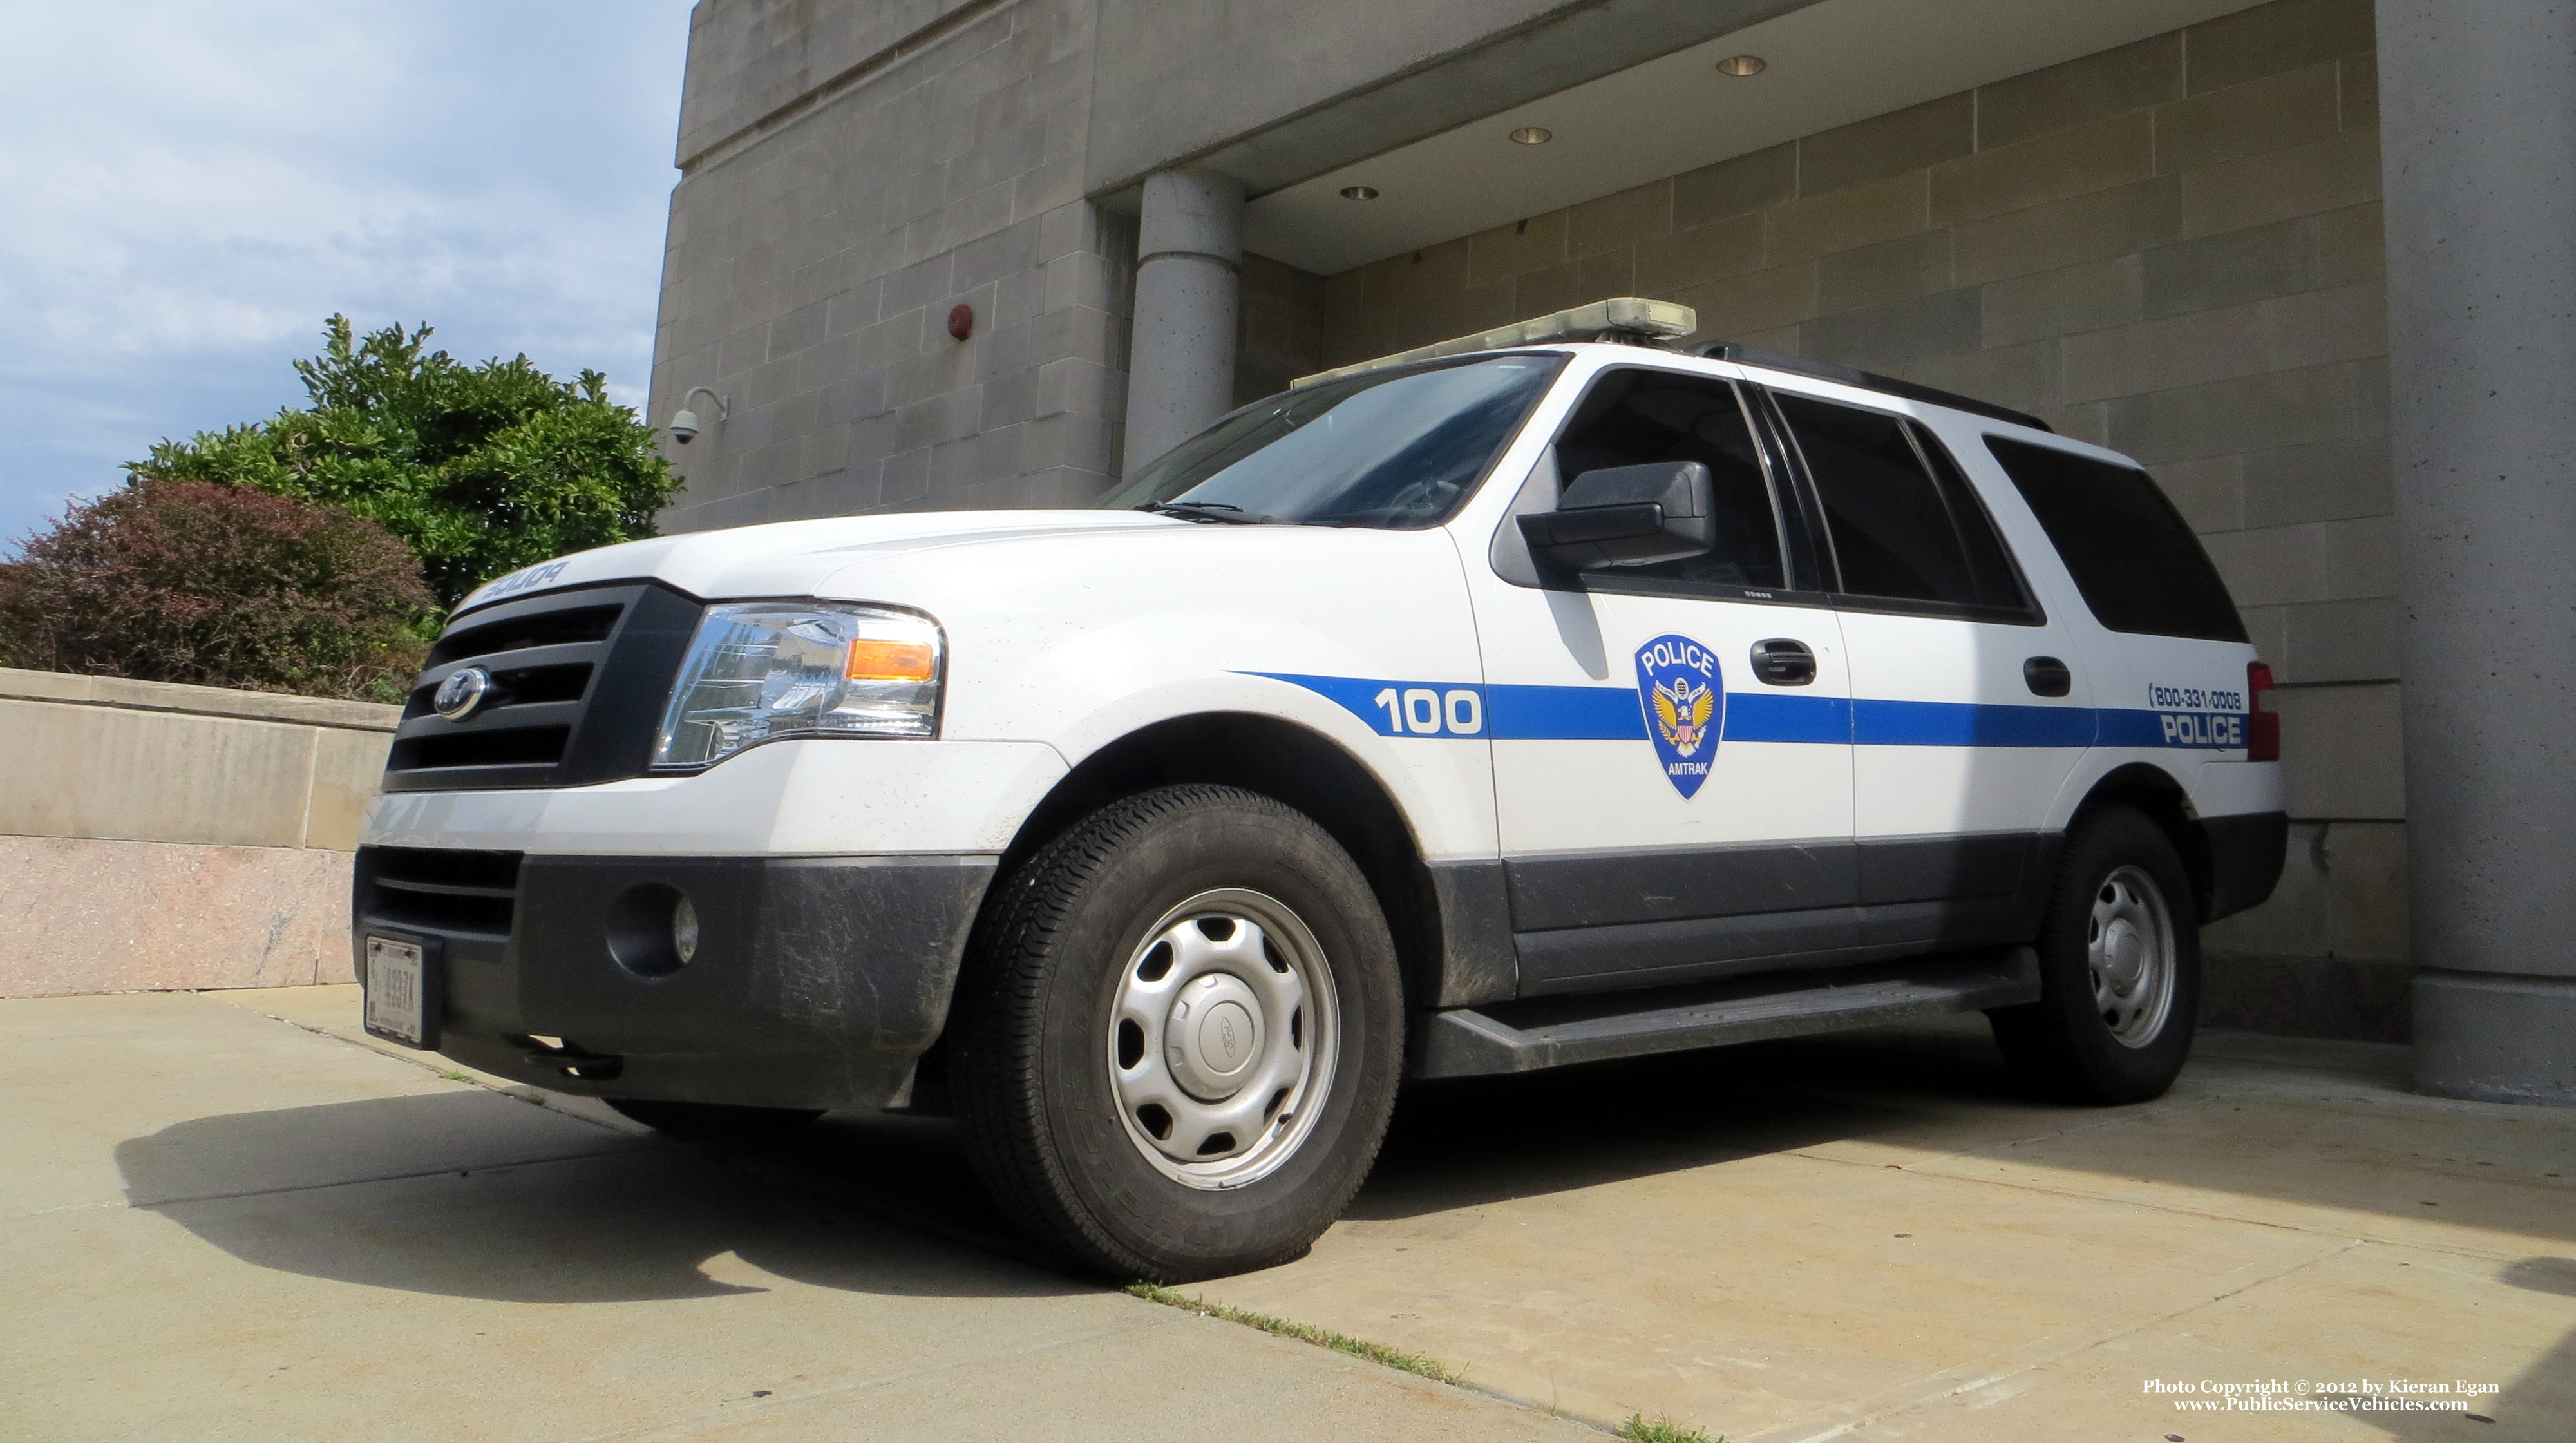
[(889, 661)]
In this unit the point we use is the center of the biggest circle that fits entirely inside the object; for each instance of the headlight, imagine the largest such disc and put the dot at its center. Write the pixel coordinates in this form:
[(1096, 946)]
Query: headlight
[(759, 670)]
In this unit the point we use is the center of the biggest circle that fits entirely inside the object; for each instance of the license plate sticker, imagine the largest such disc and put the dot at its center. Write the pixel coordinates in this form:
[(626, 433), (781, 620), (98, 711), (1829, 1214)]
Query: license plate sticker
[(397, 991)]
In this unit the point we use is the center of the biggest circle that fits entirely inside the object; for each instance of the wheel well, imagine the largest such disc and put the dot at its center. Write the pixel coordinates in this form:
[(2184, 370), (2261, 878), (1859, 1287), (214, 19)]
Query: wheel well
[(2152, 790), (1279, 760)]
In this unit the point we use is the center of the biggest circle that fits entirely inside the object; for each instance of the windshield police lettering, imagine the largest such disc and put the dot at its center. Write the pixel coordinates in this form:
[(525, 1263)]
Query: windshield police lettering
[(533, 577)]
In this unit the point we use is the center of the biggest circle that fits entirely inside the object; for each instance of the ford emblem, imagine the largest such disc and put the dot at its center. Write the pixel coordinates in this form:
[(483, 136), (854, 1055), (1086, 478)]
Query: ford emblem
[(462, 692)]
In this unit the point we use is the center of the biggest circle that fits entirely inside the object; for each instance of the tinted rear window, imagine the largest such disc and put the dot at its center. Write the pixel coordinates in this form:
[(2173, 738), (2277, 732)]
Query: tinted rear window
[(2138, 564), (1902, 532)]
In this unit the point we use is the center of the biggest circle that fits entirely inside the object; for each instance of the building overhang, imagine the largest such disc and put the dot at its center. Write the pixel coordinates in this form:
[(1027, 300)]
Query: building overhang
[(1434, 144)]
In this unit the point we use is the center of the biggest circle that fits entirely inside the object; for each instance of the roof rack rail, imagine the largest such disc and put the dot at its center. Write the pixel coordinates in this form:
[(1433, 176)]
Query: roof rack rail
[(1745, 355)]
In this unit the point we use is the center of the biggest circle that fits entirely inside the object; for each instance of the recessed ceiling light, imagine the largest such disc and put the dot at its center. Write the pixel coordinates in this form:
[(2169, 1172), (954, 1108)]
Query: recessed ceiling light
[(1742, 65), (1359, 192), (1533, 135)]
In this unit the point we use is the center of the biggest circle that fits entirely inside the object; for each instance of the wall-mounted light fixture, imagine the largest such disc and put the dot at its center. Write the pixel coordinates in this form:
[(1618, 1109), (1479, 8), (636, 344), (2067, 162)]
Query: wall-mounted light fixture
[(1532, 135), (1740, 65), (684, 422), (1359, 192)]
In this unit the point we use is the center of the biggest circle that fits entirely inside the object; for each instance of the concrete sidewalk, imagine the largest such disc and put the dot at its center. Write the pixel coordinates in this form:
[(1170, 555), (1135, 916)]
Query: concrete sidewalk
[(224, 1225), (1876, 1237), (235, 1216)]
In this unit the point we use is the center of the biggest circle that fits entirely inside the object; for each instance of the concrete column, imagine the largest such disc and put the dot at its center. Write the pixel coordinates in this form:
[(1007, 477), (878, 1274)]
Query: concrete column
[(2478, 106), (1180, 366)]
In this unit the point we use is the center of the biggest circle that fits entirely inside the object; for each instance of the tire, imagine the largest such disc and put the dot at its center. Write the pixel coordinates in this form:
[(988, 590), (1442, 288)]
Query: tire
[(2118, 1002), (713, 1121), (1180, 1033)]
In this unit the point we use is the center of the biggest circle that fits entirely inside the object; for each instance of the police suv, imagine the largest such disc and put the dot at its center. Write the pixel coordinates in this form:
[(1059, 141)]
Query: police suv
[(1518, 702)]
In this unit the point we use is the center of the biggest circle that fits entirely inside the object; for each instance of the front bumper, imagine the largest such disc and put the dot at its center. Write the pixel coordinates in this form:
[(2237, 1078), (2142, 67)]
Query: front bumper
[(817, 797), (817, 981)]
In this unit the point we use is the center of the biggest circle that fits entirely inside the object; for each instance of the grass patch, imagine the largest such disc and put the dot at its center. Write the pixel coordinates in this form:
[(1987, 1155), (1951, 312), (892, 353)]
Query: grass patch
[(1641, 1429), (1379, 1353), (455, 1076)]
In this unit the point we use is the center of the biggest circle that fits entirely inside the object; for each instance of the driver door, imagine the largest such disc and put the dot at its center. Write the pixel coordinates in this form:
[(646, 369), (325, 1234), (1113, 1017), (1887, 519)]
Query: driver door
[(1671, 742)]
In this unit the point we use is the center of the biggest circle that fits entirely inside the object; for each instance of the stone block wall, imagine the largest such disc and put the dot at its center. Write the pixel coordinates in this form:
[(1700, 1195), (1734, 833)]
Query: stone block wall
[(1279, 327), (852, 172), (158, 836), (2172, 248)]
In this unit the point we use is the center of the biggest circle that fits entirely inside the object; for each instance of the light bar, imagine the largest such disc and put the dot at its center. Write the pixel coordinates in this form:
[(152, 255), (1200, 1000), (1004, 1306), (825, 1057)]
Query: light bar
[(1620, 318)]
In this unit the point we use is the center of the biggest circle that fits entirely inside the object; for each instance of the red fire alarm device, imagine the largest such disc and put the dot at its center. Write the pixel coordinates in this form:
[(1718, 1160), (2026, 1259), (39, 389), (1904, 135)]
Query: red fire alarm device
[(961, 321)]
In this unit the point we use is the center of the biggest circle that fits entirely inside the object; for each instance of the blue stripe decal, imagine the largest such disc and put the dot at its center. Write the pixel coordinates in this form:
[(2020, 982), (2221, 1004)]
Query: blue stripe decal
[(1566, 713), (1969, 724), (1351, 693), (1613, 713), (1770, 716)]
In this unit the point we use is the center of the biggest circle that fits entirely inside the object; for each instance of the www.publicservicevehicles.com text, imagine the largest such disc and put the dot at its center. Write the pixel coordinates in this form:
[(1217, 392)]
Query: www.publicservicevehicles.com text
[(2301, 1395)]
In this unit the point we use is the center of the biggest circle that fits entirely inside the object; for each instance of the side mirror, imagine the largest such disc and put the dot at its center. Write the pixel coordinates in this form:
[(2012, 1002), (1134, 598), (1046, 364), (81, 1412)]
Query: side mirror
[(1627, 516)]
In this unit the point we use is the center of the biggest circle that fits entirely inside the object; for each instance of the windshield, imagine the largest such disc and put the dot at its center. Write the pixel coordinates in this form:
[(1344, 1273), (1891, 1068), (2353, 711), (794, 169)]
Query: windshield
[(1398, 449)]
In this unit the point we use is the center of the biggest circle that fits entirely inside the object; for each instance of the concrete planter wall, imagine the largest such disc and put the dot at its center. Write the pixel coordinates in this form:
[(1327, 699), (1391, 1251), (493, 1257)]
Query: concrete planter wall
[(160, 837)]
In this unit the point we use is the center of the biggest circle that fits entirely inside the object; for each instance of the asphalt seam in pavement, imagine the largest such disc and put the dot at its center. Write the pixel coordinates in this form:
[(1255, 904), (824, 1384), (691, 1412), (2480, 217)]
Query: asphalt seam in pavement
[(516, 1092), (1263, 1323), (364, 1181)]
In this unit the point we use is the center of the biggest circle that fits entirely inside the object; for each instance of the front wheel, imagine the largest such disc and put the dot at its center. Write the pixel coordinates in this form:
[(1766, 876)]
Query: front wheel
[(1180, 1036), (2119, 959)]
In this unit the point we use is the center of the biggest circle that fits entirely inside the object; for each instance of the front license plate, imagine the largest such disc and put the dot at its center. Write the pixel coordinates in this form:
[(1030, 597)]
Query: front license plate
[(397, 991)]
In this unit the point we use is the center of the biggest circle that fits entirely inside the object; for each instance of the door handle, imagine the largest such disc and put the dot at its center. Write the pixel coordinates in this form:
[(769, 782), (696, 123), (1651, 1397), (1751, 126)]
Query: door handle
[(1782, 662), (2047, 676)]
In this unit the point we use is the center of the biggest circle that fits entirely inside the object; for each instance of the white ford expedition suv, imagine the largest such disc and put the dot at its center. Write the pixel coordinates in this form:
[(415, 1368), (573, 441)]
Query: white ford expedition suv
[(1529, 705)]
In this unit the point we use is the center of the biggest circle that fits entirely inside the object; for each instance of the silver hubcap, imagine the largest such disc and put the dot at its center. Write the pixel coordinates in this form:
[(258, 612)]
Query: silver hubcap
[(1221, 1039), (2130, 950)]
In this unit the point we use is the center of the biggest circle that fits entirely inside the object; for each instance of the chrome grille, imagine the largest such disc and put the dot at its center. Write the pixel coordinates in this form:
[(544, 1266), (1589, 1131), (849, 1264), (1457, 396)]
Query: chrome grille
[(578, 682)]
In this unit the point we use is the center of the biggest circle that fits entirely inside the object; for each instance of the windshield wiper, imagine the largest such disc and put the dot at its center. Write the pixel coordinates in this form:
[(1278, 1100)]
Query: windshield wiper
[(1211, 511)]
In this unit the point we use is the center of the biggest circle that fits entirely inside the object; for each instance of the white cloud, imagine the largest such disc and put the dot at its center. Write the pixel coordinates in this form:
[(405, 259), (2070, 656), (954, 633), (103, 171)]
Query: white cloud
[(191, 187)]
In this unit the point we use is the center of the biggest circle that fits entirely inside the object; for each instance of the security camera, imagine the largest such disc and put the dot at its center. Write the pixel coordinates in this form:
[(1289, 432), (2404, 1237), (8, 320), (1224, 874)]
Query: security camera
[(684, 422)]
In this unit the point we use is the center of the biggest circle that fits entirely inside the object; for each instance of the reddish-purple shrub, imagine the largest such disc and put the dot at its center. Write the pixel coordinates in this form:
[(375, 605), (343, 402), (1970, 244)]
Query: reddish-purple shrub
[(193, 581)]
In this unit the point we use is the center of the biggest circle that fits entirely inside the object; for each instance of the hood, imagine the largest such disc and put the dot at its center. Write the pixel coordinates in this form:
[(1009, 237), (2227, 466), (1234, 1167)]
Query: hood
[(792, 558)]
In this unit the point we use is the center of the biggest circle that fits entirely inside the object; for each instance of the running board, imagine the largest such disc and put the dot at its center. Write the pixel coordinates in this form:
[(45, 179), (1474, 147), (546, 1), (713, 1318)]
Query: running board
[(1555, 1031)]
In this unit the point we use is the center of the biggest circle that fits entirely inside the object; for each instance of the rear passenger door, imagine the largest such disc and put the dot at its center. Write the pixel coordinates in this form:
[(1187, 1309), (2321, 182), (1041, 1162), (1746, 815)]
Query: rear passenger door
[(1668, 807), (2172, 686), (1970, 707)]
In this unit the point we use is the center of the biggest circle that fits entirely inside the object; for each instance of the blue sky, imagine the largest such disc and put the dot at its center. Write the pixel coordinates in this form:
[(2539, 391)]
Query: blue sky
[(187, 189)]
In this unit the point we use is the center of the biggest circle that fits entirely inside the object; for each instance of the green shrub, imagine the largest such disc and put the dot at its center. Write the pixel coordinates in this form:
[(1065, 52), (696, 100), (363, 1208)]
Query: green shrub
[(190, 581), (481, 469)]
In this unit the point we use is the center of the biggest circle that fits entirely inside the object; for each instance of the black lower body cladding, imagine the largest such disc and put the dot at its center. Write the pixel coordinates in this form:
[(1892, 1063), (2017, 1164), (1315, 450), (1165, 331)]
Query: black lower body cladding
[(815, 981), (2246, 853)]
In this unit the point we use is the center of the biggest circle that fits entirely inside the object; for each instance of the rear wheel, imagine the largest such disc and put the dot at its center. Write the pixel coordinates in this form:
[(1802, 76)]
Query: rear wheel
[(2119, 957), (1180, 1036)]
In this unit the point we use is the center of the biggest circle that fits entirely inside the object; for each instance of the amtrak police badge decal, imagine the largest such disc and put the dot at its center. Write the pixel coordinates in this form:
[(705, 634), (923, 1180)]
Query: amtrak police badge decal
[(1685, 698)]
